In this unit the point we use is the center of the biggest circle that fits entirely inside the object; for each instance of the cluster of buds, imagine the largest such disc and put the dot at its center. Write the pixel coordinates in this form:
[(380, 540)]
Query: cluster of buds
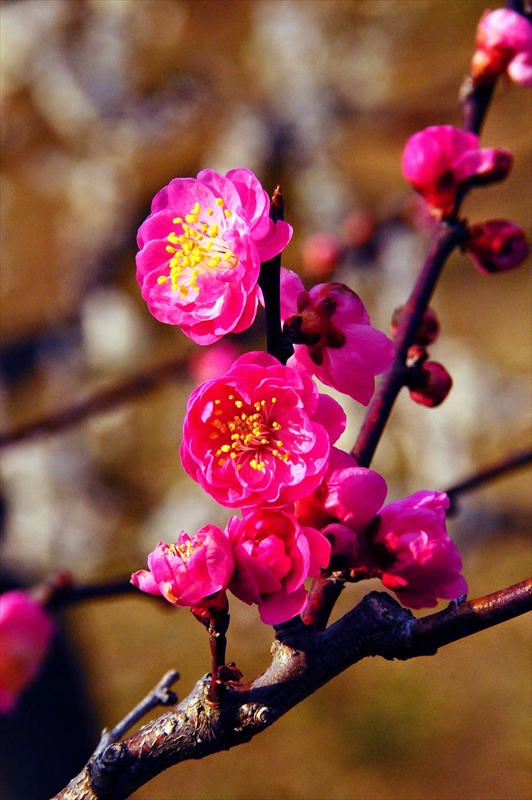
[(429, 382)]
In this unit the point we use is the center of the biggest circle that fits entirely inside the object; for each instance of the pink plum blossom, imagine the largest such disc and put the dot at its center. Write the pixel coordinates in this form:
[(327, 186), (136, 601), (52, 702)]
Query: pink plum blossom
[(404, 543), (261, 434), (439, 160), (340, 347), (26, 630), (201, 250), (348, 493), (504, 44), (424, 564), (274, 555), (189, 571), (496, 246), (214, 361)]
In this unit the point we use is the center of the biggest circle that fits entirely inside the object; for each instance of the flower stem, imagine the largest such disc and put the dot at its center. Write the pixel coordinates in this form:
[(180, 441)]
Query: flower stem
[(446, 238), (270, 283)]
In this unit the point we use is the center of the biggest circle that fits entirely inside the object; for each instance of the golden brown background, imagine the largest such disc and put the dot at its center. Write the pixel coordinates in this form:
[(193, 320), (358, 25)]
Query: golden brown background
[(103, 102)]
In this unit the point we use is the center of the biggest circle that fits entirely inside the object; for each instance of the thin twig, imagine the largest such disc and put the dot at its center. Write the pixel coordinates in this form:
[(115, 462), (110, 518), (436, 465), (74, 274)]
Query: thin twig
[(102, 400), (270, 283), (161, 695), (446, 238), (486, 475)]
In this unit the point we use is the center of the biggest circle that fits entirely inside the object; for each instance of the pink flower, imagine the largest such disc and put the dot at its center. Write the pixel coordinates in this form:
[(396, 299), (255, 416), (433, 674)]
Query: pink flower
[(26, 630), (441, 159), (423, 563), (211, 362), (274, 555), (340, 346), (201, 249), (259, 434), (348, 493), (189, 571), (504, 44), (496, 245), (405, 543)]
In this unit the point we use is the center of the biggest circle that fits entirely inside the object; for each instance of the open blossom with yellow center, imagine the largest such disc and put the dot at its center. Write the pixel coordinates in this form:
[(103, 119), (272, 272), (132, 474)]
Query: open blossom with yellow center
[(201, 250), (261, 434), (190, 570)]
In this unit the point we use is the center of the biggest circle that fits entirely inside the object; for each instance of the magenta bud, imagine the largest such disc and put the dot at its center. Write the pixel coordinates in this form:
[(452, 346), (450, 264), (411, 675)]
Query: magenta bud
[(431, 385), (495, 166), (503, 44), (496, 246)]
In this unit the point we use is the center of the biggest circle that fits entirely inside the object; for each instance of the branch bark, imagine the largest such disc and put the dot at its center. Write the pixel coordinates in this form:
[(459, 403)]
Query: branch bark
[(304, 659), (128, 389)]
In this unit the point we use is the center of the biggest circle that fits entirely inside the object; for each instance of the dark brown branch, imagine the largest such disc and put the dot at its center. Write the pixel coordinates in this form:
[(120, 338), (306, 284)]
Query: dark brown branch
[(304, 659), (270, 283), (446, 238), (60, 593), (100, 401), (482, 477)]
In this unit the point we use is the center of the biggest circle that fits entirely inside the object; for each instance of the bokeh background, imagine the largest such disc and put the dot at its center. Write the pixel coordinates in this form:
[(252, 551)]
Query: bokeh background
[(103, 102)]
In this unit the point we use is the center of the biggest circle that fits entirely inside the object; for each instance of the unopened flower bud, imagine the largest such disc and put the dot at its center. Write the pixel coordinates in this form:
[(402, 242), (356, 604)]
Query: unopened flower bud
[(496, 246), (428, 331), (321, 255), (495, 166), (431, 385), (504, 44), (416, 355), (442, 161)]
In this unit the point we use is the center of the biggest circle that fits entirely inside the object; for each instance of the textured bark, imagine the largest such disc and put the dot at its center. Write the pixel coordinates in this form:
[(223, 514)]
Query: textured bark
[(303, 659)]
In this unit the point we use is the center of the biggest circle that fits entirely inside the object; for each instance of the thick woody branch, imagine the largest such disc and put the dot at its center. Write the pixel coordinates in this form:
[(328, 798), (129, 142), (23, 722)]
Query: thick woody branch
[(304, 659)]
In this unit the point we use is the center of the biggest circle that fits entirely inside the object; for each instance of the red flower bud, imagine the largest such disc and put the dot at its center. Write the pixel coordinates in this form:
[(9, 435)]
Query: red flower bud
[(431, 385), (428, 331), (496, 246)]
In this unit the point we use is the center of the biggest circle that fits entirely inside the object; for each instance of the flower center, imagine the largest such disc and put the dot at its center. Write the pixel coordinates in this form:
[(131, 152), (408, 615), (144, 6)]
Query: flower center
[(251, 435), (183, 551), (197, 250)]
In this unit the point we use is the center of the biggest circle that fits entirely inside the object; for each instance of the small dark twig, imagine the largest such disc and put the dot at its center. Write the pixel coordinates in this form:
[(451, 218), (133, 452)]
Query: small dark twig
[(446, 238), (502, 467), (161, 695), (270, 283), (100, 401), (62, 592)]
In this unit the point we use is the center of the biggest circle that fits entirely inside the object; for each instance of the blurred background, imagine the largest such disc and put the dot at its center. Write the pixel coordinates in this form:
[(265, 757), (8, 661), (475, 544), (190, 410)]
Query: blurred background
[(103, 102)]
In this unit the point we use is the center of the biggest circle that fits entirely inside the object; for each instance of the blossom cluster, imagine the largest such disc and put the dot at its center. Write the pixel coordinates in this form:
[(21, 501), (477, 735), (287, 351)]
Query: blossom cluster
[(258, 435)]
